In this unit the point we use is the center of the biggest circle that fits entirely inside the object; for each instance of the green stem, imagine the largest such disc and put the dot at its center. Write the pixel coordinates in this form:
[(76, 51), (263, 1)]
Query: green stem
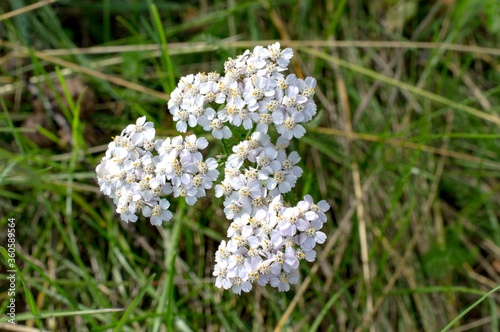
[(166, 295), (226, 150), (250, 131)]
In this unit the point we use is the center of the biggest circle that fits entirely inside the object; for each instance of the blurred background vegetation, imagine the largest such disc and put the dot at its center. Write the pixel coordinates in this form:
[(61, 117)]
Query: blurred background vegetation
[(405, 148)]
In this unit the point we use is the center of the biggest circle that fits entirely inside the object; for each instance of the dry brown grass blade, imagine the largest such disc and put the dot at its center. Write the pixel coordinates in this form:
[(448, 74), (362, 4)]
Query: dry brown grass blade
[(84, 70), (18, 328), (409, 249), (416, 234), (205, 47), (402, 85), (363, 239), (410, 145), (390, 44), (474, 325), (26, 9), (401, 262), (173, 48)]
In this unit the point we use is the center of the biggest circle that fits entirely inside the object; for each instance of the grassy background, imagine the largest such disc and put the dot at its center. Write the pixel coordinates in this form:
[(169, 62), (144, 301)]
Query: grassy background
[(405, 148)]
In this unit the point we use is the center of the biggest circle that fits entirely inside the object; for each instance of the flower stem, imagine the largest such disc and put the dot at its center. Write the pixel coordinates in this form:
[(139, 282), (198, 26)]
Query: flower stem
[(226, 150), (250, 131)]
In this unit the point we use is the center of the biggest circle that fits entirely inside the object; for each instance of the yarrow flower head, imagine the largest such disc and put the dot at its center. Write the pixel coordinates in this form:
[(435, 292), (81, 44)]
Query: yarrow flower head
[(137, 171), (266, 243), (267, 237), (252, 91)]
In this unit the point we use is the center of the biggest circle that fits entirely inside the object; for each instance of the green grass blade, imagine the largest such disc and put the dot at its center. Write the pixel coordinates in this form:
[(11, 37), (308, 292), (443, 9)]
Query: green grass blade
[(166, 292), (328, 305), (29, 296), (49, 135), (170, 309), (69, 99), (17, 138), (134, 304), (164, 49), (472, 306)]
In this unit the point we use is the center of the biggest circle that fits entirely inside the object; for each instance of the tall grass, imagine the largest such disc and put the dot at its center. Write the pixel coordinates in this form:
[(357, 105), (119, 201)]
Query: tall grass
[(405, 148)]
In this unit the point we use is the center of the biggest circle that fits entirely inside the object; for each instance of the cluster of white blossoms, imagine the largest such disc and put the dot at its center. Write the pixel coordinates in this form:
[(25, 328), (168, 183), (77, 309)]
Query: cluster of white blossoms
[(137, 171), (267, 243), (266, 239), (248, 189), (253, 90)]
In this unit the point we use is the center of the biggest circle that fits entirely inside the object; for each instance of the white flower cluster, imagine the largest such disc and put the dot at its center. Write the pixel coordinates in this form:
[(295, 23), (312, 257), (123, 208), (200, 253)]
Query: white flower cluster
[(251, 188), (137, 171), (253, 90), (266, 239), (266, 244)]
